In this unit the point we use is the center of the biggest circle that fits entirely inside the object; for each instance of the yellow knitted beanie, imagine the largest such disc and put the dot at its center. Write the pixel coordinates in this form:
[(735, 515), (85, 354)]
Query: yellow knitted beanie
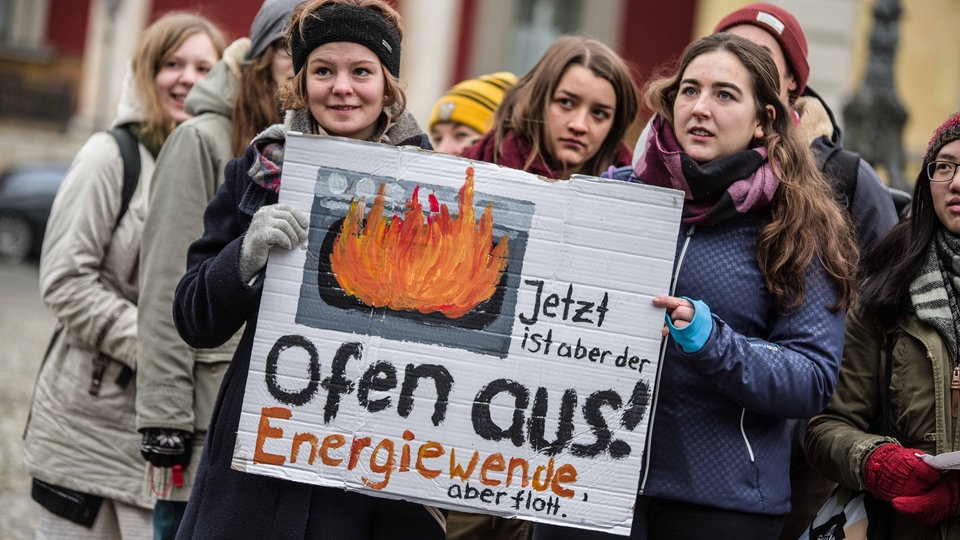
[(473, 102)]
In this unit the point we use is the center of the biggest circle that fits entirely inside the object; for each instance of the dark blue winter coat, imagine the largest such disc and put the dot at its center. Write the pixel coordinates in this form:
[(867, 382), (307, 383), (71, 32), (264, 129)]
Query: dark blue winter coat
[(212, 302), (721, 422), (720, 434)]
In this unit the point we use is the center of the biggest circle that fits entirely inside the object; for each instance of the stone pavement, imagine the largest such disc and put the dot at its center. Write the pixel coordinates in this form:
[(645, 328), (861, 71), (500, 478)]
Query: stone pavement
[(25, 329)]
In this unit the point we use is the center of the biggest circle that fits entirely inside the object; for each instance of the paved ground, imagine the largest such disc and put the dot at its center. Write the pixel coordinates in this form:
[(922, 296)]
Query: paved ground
[(25, 328), (23, 143)]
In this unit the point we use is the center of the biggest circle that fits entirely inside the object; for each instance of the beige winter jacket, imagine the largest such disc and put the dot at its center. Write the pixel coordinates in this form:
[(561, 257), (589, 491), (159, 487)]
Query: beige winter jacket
[(178, 384), (88, 278)]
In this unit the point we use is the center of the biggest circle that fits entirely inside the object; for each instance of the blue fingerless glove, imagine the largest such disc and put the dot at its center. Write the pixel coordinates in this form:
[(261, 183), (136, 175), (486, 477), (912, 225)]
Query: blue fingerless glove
[(691, 338)]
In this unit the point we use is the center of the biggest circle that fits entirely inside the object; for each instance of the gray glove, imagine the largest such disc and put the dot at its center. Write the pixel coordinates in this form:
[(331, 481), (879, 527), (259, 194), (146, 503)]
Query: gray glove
[(274, 225)]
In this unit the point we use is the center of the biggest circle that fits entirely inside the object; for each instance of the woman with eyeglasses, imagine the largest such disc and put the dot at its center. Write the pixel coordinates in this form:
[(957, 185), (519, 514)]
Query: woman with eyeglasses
[(902, 340)]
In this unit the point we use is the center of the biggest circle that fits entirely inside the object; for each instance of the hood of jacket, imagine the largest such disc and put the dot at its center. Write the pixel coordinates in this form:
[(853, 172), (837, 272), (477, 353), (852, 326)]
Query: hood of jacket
[(130, 109), (217, 92), (815, 115)]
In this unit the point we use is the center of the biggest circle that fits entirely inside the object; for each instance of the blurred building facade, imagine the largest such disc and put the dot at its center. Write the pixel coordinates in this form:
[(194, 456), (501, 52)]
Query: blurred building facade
[(62, 61)]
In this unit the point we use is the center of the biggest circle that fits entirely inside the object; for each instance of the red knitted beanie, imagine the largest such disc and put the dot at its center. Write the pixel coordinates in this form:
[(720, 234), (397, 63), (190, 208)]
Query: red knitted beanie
[(783, 27), (948, 132)]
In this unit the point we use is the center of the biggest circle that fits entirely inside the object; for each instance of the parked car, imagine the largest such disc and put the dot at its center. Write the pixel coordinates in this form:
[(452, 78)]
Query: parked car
[(26, 195)]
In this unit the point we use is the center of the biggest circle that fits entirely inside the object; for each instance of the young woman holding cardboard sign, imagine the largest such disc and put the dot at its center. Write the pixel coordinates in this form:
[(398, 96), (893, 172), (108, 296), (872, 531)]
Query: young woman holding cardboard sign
[(764, 273), (346, 55)]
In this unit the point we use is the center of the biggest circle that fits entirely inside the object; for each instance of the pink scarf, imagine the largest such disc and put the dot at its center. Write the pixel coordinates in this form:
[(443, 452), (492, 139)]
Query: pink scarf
[(715, 191)]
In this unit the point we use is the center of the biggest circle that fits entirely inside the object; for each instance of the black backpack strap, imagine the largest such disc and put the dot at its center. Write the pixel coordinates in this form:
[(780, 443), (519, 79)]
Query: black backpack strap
[(888, 426), (130, 153), (842, 168)]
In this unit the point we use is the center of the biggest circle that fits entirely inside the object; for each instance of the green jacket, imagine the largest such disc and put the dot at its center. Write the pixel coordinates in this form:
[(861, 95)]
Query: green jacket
[(177, 383), (837, 442)]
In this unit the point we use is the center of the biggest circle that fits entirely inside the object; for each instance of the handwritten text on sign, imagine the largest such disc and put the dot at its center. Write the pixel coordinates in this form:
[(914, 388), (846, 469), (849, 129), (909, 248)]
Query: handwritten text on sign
[(460, 335)]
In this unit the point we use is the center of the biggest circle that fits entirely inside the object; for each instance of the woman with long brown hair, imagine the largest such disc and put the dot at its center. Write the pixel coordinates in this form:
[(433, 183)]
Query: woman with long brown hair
[(899, 389), (754, 317), (179, 384), (568, 115)]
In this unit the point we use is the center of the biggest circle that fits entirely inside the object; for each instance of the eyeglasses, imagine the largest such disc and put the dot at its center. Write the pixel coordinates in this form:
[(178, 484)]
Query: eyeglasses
[(941, 170)]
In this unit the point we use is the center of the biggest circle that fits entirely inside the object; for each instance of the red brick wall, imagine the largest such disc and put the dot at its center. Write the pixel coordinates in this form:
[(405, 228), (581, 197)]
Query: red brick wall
[(67, 26), (233, 16), (655, 32)]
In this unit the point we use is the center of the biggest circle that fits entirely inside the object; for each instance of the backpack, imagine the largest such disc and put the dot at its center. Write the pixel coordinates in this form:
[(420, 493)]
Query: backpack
[(130, 154), (841, 168)]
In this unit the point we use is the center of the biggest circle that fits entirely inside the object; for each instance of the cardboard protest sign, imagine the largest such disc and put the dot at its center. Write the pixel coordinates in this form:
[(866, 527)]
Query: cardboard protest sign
[(460, 334)]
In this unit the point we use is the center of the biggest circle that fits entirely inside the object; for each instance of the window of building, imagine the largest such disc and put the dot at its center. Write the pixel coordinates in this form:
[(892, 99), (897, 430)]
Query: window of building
[(538, 23)]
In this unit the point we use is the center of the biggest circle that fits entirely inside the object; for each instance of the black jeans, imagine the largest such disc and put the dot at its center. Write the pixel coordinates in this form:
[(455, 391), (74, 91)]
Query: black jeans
[(662, 519)]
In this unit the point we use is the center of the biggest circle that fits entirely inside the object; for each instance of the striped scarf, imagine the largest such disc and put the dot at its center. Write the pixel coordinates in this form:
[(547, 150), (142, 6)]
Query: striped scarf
[(935, 289), (393, 128)]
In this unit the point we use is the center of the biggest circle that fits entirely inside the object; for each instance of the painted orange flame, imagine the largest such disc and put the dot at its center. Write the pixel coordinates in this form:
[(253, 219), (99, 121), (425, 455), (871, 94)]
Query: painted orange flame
[(446, 264)]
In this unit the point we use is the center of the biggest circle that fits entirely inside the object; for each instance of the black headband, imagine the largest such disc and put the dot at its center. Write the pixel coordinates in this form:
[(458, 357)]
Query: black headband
[(338, 22)]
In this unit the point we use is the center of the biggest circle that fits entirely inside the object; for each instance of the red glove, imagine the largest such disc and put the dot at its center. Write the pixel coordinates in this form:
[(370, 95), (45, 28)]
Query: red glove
[(893, 471), (933, 506)]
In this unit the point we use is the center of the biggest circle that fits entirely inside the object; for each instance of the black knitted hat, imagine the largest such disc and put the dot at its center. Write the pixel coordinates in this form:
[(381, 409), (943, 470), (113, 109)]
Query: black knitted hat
[(338, 22)]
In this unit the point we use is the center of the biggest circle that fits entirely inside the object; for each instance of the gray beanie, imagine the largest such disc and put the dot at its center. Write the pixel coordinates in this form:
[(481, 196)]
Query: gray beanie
[(269, 25)]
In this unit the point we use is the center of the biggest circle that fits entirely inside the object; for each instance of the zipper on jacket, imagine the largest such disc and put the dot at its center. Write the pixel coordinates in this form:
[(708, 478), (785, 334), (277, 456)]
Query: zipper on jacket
[(743, 433), (955, 392), (663, 351)]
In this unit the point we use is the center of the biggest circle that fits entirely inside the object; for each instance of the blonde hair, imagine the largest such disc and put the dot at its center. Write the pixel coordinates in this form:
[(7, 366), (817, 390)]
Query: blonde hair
[(159, 41)]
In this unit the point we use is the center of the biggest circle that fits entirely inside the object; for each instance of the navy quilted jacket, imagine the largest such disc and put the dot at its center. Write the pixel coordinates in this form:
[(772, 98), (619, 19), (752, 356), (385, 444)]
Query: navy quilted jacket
[(719, 432), (719, 435)]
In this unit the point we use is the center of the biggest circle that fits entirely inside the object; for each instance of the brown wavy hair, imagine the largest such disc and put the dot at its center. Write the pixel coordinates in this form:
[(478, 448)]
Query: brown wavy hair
[(804, 221), (294, 95), (257, 105), (159, 41), (525, 105)]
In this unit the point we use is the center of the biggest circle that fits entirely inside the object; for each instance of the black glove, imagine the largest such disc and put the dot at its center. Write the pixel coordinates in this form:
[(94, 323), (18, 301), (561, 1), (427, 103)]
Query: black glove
[(166, 447)]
